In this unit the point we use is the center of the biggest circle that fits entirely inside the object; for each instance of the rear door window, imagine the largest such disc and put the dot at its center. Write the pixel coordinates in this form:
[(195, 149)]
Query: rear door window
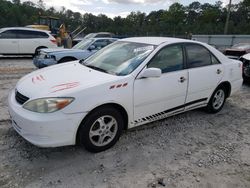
[(199, 56)]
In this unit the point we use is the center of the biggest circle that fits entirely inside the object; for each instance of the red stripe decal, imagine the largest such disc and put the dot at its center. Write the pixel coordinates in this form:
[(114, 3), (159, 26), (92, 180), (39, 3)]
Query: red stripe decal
[(112, 87), (65, 86), (124, 85), (120, 85)]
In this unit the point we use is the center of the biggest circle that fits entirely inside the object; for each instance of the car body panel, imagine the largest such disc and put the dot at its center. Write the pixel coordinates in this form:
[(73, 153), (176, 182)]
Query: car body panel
[(246, 66)]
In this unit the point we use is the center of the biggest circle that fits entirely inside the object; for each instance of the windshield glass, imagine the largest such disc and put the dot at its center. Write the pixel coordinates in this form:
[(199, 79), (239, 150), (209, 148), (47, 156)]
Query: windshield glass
[(120, 58), (84, 44)]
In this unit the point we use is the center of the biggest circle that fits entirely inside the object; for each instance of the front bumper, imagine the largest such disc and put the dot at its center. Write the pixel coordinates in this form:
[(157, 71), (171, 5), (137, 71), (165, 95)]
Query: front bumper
[(42, 62), (44, 130)]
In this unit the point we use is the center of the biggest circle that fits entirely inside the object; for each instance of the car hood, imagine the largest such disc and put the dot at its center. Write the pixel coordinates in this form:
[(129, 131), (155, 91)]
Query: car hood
[(60, 80), (247, 56), (57, 50)]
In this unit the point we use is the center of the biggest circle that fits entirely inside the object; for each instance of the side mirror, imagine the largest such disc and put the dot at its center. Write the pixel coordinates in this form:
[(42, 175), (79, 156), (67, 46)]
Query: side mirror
[(150, 73), (92, 47)]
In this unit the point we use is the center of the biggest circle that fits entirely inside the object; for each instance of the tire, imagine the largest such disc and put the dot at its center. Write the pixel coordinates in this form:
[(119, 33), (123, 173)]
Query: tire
[(97, 133), (217, 100), (66, 59)]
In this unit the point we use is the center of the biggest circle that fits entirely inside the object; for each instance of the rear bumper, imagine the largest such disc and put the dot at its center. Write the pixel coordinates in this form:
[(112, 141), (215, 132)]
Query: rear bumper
[(40, 63), (44, 130)]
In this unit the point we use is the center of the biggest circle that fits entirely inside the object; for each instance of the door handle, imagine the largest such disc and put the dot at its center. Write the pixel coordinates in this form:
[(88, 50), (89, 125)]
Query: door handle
[(218, 71), (182, 79)]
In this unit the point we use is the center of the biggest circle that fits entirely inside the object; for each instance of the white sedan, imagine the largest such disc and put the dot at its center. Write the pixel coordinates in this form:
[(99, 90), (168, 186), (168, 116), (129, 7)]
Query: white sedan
[(131, 82)]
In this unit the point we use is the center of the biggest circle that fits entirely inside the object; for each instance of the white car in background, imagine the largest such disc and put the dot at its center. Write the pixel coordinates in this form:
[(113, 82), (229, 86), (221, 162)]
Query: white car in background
[(25, 41), (129, 83)]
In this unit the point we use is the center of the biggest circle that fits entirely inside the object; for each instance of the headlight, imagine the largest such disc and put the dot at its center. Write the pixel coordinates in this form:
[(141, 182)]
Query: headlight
[(47, 105)]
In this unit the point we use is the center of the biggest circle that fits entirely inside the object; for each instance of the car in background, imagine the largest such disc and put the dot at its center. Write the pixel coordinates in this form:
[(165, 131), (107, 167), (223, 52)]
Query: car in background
[(237, 50), (82, 50), (246, 67), (99, 35), (129, 83), (25, 41)]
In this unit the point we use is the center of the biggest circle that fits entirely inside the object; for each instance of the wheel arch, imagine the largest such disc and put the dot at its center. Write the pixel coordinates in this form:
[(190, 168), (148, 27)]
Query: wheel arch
[(40, 47), (117, 106), (67, 57), (227, 86)]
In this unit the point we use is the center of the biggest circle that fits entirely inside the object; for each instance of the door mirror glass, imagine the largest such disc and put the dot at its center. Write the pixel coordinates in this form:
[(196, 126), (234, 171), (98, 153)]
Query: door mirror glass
[(150, 73)]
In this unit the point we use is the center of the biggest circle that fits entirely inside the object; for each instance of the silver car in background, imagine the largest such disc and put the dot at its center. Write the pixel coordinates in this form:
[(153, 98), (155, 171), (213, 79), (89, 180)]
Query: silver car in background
[(84, 49)]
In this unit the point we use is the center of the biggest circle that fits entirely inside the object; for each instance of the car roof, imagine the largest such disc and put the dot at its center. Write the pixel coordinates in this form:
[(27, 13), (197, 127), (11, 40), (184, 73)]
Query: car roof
[(155, 40), (23, 28)]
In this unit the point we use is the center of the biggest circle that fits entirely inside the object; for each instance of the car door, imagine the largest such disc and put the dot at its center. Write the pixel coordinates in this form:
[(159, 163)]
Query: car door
[(158, 97), (9, 43), (205, 72), (28, 41)]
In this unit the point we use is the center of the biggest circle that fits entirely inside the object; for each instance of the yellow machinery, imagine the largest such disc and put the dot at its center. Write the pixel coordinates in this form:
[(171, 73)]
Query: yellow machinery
[(58, 30), (48, 23)]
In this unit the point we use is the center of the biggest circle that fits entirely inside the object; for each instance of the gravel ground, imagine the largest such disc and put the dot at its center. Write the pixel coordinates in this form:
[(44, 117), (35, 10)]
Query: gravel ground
[(193, 149)]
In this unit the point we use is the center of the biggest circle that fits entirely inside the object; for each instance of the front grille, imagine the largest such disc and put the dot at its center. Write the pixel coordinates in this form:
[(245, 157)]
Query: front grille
[(21, 99), (235, 53)]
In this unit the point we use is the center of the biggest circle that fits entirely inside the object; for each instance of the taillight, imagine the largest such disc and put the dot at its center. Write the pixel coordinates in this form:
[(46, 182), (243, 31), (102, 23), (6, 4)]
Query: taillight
[(53, 41)]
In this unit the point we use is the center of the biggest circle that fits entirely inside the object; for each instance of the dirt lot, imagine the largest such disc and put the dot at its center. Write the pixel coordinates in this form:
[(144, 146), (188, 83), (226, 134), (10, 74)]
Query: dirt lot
[(193, 149)]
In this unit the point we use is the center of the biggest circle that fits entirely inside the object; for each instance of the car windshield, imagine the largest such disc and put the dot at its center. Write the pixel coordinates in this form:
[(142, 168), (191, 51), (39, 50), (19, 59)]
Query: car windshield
[(120, 58), (84, 44), (241, 46)]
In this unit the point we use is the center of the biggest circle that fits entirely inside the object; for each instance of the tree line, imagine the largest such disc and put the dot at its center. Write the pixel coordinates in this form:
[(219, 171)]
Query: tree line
[(195, 18)]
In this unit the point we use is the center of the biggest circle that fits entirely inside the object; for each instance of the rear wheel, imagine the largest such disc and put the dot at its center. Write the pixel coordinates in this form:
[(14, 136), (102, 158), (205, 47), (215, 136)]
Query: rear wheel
[(101, 129), (66, 59), (217, 100)]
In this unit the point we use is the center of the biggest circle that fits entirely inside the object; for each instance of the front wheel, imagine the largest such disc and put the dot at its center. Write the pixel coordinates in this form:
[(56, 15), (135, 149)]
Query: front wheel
[(101, 129), (217, 100)]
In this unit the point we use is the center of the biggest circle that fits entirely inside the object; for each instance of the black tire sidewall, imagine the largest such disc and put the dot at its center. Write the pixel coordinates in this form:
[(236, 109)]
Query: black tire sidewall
[(83, 135), (210, 107)]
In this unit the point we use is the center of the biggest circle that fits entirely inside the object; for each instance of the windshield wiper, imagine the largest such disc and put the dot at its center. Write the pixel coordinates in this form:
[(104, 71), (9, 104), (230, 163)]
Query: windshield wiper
[(96, 68)]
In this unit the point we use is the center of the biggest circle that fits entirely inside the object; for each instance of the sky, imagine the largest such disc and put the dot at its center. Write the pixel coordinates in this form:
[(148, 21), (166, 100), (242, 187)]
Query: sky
[(122, 8)]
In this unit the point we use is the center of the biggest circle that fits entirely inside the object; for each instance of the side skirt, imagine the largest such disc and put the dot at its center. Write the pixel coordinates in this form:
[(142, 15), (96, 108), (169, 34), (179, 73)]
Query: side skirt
[(167, 113)]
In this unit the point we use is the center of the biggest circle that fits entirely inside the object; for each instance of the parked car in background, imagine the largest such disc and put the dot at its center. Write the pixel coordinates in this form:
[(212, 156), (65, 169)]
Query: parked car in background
[(26, 41), (237, 50), (246, 66), (129, 83), (76, 41), (99, 35), (82, 50)]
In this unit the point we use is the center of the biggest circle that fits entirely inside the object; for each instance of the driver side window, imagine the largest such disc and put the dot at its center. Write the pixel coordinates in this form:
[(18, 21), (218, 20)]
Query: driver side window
[(168, 59)]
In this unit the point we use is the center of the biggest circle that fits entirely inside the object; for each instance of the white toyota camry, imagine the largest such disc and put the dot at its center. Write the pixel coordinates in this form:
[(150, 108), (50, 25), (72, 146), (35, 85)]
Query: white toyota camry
[(131, 82)]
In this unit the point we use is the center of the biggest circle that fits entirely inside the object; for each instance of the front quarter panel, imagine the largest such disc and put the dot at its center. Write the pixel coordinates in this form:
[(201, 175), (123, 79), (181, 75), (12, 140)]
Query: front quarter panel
[(119, 92)]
